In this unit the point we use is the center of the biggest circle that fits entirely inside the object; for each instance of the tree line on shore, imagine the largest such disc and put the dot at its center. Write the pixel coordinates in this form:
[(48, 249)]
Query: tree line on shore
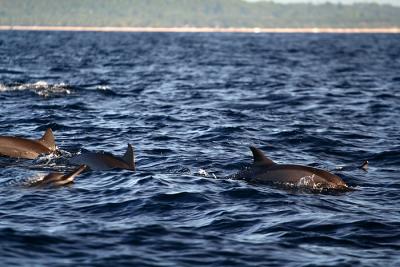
[(194, 13)]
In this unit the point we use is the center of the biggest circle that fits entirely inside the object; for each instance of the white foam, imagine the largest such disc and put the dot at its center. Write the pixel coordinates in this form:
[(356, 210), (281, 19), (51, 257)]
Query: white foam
[(203, 172), (41, 88), (103, 87)]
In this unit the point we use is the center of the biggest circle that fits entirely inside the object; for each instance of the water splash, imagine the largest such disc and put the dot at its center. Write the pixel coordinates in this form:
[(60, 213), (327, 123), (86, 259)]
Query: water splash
[(308, 182), (204, 173), (40, 88)]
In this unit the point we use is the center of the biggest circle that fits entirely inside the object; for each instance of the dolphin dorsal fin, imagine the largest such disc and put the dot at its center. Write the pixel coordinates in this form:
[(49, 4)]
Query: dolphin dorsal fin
[(364, 166), (48, 140), (129, 157), (259, 157)]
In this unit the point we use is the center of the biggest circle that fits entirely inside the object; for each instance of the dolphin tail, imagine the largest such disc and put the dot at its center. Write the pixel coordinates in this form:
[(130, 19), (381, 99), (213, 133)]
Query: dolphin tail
[(259, 157), (129, 157), (48, 140)]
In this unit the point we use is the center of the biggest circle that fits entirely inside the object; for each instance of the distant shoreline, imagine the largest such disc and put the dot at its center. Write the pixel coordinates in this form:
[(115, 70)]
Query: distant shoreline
[(200, 29)]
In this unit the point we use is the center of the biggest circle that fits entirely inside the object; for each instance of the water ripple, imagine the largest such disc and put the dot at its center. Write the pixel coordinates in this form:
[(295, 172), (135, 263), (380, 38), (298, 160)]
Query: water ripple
[(191, 104)]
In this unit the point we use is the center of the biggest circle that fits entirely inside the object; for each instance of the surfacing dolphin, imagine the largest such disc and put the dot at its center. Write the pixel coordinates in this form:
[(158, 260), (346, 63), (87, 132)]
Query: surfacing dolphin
[(364, 166), (56, 179), (264, 170), (18, 147), (103, 161)]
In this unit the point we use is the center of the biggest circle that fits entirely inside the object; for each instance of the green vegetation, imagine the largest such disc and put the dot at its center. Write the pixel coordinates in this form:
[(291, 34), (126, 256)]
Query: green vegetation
[(196, 13)]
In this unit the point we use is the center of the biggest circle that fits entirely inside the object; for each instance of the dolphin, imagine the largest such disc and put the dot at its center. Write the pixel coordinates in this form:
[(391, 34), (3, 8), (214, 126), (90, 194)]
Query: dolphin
[(18, 147), (103, 161), (363, 166), (264, 170), (56, 179)]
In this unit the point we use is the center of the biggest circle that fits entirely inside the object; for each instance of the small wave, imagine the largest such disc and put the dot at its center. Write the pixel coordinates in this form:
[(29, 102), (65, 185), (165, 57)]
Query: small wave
[(40, 88), (106, 90), (103, 87)]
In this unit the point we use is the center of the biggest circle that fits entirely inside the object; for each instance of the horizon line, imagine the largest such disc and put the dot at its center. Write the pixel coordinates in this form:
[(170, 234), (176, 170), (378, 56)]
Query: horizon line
[(203, 29)]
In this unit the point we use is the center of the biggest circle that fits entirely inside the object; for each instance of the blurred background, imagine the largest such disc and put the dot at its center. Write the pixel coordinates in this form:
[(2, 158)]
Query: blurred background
[(204, 13)]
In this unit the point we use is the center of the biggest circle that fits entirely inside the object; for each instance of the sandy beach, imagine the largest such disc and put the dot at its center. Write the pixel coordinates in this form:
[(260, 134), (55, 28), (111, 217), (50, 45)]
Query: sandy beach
[(201, 29)]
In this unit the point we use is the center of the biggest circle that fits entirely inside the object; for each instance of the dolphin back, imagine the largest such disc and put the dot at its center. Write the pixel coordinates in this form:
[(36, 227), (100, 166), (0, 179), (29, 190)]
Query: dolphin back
[(264, 170), (19, 147), (103, 161)]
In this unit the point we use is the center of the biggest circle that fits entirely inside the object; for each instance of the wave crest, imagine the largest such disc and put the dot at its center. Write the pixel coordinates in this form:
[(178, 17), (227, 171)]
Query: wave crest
[(40, 88)]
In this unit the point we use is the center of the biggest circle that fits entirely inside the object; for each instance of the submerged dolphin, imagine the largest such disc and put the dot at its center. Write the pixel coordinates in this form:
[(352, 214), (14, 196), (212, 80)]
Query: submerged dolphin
[(18, 147), (363, 166), (55, 179), (106, 161), (264, 170)]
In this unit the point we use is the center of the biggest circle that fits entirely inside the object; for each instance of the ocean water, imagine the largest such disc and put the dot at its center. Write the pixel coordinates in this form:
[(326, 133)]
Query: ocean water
[(191, 104)]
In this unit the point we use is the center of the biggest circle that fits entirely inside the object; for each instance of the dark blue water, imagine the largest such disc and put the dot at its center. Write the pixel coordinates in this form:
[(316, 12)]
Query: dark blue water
[(191, 104)]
